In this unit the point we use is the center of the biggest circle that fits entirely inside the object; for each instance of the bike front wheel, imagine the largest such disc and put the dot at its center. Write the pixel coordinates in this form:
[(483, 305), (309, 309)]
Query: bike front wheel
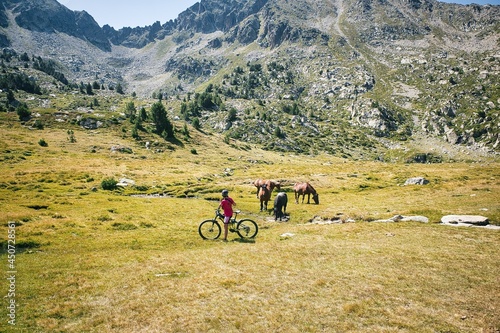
[(209, 229), (247, 228)]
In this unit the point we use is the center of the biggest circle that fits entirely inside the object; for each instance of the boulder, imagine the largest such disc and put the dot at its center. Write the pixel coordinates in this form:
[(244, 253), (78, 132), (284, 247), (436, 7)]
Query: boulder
[(401, 218), (417, 181), (90, 123), (465, 219), (121, 149), (416, 218), (124, 182)]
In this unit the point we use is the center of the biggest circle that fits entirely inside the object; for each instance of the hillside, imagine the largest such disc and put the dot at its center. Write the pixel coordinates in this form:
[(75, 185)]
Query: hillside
[(392, 81)]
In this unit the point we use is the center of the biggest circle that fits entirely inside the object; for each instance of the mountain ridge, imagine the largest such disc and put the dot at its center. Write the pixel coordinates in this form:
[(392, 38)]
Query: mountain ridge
[(388, 69)]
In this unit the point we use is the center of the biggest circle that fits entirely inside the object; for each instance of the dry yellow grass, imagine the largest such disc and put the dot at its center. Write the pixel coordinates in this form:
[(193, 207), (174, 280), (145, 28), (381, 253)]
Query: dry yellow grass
[(101, 261)]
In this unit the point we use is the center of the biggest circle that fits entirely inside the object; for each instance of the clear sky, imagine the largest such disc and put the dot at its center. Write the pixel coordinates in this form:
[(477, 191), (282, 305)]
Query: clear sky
[(133, 13), (130, 13)]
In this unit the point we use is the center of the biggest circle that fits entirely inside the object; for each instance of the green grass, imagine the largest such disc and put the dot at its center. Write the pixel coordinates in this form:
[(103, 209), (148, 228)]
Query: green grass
[(91, 260)]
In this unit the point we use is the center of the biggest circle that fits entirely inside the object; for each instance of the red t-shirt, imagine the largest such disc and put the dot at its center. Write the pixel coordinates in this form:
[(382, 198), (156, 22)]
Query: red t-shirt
[(227, 205)]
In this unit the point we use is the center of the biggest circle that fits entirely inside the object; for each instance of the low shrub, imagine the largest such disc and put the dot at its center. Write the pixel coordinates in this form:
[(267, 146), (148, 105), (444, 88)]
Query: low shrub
[(109, 184)]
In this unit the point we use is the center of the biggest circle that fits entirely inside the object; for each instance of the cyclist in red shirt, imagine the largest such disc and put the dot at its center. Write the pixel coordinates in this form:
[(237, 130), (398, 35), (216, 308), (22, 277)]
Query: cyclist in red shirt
[(227, 204)]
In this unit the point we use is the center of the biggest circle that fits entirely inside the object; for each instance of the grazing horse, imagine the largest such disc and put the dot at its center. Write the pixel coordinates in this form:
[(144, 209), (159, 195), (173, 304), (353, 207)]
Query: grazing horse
[(280, 206), (301, 189), (264, 197), (271, 184)]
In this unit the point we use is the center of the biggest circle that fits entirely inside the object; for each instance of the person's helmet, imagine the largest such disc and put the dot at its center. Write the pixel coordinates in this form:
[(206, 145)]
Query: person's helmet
[(225, 193)]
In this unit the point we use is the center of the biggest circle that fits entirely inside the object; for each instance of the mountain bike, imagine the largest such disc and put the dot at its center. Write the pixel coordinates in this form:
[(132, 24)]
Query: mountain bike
[(211, 229)]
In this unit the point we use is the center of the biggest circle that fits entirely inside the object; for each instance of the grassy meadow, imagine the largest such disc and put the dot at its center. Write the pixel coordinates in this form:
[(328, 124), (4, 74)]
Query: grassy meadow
[(92, 260)]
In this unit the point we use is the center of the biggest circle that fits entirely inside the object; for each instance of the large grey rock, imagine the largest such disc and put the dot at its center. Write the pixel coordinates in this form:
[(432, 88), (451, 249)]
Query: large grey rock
[(417, 181), (416, 218), (124, 182), (90, 123), (465, 219), (401, 218)]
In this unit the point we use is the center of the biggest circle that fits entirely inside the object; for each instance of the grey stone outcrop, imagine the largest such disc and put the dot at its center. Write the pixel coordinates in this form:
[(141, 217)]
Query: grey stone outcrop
[(417, 181), (465, 219)]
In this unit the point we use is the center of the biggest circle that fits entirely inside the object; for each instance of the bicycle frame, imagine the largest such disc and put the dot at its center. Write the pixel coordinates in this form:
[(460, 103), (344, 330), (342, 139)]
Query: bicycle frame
[(220, 216)]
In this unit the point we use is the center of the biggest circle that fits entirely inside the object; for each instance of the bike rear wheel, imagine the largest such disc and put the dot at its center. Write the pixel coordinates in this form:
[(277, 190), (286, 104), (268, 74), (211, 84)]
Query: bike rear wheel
[(247, 228), (209, 229)]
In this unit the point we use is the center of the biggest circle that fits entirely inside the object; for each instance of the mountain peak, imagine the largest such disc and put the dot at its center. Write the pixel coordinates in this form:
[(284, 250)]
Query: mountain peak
[(49, 16), (344, 72)]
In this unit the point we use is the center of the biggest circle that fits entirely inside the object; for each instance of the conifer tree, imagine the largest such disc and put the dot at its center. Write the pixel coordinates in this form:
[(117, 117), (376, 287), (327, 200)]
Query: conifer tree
[(162, 123)]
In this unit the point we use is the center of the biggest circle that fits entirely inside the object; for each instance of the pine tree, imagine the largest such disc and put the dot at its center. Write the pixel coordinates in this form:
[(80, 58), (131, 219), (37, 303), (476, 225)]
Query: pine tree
[(119, 89), (163, 125)]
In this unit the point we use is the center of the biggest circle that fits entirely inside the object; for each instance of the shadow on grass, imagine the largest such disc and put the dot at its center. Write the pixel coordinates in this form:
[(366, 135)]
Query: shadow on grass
[(18, 247), (244, 240), (175, 141), (236, 240)]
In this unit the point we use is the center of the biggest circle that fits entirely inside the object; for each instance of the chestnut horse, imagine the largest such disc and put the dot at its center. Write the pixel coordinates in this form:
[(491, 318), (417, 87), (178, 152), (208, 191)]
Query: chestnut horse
[(301, 189), (271, 184), (264, 197)]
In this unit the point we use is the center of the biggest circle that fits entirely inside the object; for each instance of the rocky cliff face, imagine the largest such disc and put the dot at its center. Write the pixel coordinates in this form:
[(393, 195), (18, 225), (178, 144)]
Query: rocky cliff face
[(210, 16), (281, 21)]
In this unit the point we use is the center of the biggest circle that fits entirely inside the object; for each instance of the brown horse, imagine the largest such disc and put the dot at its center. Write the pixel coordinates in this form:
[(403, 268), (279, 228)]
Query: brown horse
[(301, 189), (271, 185), (264, 197)]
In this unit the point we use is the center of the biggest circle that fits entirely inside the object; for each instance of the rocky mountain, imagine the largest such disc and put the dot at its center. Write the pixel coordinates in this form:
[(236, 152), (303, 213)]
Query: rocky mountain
[(49, 16), (302, 75)]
